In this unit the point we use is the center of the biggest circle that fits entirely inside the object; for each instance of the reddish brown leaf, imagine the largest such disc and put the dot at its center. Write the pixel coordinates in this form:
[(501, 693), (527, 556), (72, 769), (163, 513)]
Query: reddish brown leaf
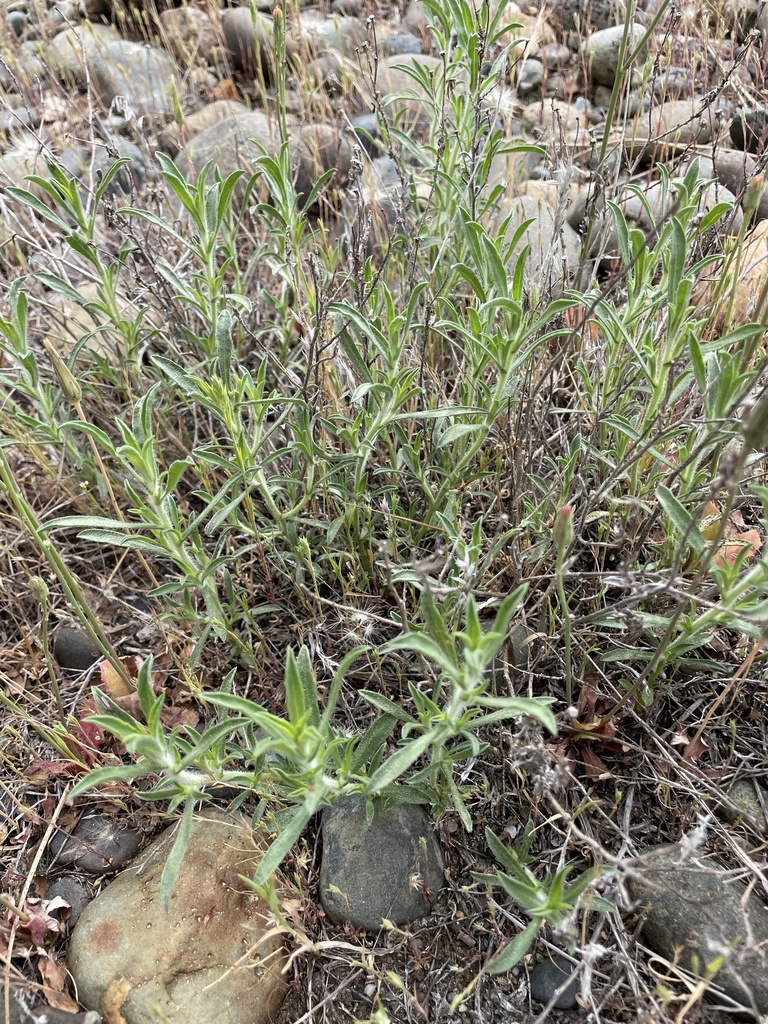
[(594, 767)]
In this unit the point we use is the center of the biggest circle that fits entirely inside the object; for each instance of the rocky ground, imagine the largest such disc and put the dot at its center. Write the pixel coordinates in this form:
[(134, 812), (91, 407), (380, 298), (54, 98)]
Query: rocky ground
[(82, 84)]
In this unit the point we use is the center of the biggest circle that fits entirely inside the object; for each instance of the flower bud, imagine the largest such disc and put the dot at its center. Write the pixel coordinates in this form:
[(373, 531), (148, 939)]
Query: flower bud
[(68, 383), (562, 531), (39, 589)]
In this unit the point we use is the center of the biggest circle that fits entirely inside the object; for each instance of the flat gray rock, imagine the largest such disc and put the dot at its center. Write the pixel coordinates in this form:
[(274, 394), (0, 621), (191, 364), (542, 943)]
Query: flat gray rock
[(392, 868), (203, 959), (697, 912)]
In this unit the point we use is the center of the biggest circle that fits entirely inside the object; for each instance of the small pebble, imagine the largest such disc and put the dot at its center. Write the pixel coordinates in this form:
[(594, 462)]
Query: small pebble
[(16, 21), (75, 891), (73, 648), (530, 75), (98, 845), (548, 976), (367, 131)]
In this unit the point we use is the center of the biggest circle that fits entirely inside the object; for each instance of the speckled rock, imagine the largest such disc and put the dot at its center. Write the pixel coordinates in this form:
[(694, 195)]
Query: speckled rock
[(747, 804), (71, 324), (392, 868), (529, 75), (554, 248), (140, 963), (173, 138), (76, 894), (696, 912), (749, 130), (733, 169), (251, 52), (406, 102)]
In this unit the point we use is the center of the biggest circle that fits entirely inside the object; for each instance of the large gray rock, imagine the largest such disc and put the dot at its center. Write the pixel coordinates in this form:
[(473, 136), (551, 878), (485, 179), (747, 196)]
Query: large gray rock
[(144, 75), (73, 50), (579, 15), (190, 33), (204, 959), (555, 248), (671, 127), (250, 41), (697, 913), (392, 868), (234, 143), (601, 50), (406, 101)]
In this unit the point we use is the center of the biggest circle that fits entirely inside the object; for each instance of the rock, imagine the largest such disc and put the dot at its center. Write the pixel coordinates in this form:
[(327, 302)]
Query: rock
[(554, 248), (392, 868), (583, 15), (71, 51), (206, 958), (733, 169), (673, 83), (601, 51), (16, 21), (747, 804), (553, 116), (554, 55), (143, 75), (415, 21), (131, 177), (747, 285), (400, 43), (740, 16), (71, 324), (407, 102), (529, 75), (252, 52), (314, 148), (73, 648), (75, 892), (190, 33), (174, 138), (354, 8), (547, 977), (99, 844), (368, 133), (51, 1015), (749, 130), (696, 912), (318, 35), (671, 127)]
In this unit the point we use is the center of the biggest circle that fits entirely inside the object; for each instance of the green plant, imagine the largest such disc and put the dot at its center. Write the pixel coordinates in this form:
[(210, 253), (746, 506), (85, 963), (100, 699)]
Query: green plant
[(549, 901)]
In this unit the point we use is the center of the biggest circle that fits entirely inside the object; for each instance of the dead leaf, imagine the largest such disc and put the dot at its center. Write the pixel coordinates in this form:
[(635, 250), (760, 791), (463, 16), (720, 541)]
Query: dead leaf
[(55, 980), (112, 1001), (40, 925), (113, 682), (695, 749), (594, 767), (728, 553), (736, 538)]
